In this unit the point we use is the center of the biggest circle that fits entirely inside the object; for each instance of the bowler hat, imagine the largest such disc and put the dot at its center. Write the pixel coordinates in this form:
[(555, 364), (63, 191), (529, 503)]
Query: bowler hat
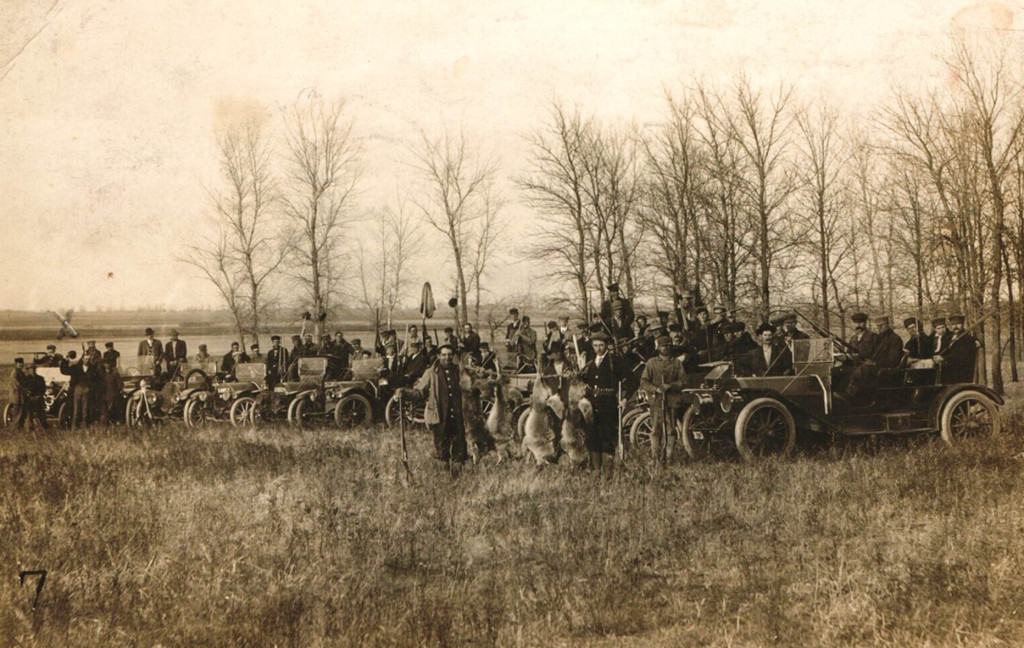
[(109, 345), (859, 317), (275, 337), (675, 327), (600, 336), (149, 331), (765, 326), (51, 347), (939, 321), (663, 340), (513, 311), (910, 321), (956, 319)]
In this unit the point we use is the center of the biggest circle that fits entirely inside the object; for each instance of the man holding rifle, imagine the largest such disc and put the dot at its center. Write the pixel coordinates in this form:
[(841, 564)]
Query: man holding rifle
[(661, 373), (959, 360)]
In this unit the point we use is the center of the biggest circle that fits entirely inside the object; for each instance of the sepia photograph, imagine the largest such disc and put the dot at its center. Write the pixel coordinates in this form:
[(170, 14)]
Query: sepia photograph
[(426, 323)]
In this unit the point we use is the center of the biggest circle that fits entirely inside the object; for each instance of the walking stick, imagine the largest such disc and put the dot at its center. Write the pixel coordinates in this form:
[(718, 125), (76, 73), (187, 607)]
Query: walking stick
[(618, 403)]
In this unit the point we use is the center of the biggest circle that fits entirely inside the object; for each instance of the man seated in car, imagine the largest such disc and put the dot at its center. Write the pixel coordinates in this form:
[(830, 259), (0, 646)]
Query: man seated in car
[(771, 357)]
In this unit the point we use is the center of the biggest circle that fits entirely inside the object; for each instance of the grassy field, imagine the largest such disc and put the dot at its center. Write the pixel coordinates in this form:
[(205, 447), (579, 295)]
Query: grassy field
[(276, 538)]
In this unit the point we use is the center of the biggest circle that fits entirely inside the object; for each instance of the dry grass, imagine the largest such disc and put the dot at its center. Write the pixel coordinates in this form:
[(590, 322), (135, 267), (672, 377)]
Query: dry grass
[(272, 538)]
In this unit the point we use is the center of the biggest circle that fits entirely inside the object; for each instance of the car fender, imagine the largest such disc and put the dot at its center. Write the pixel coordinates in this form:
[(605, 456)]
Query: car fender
[(935, 411)]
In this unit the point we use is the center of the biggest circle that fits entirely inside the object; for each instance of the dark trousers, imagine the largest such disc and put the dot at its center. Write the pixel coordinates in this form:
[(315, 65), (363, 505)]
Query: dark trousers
[(32, 409), (450, 440), (80, 405), (603, 435), (108, 406)]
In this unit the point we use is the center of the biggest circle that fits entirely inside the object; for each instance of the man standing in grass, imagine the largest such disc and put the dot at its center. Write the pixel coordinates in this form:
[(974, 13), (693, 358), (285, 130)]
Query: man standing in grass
[(441, 388), (603, 376), (661, 373)]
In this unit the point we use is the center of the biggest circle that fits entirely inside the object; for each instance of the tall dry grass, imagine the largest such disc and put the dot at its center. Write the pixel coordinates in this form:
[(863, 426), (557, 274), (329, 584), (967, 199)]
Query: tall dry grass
[(275, 538)]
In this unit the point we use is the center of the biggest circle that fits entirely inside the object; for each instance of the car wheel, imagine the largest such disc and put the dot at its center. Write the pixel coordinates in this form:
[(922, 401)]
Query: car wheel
[(301, 414), (352, 411), (241, 412), (64, 414), (11, 411), (696, 439), (194, 415), (129, 412), (968, 414), (640, 431), (764, 428)]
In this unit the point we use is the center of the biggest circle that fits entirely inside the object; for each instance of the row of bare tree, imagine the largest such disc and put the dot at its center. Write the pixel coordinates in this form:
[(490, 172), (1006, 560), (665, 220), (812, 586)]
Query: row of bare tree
[(291, 222), (763, 201)]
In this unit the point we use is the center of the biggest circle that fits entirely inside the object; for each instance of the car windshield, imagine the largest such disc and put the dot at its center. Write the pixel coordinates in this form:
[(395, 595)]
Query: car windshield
[(250, 371), (312, 367)]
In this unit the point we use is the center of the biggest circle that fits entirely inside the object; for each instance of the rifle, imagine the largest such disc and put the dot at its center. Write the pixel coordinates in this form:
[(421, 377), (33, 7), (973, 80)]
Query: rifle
[(849, 348), (622, 449), (401, 427)]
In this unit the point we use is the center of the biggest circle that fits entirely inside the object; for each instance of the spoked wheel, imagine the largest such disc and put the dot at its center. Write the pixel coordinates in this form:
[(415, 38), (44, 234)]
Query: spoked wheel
[(242, 411), (11, 412), (413, 411), (695, 432), (195, 413), (142, 415), (640, 431), (301, 413), (64, 414), (765, 428), (354, 410), (968, 414)]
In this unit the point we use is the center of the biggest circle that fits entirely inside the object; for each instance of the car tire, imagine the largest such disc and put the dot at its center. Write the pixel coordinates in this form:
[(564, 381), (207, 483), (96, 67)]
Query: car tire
[(352, 411), (765, 427), (300, 412), (640, 432), (696, 447), (11, 412), (129, 412), (968, 414), (193, 413), (242, 412), (64, 414)]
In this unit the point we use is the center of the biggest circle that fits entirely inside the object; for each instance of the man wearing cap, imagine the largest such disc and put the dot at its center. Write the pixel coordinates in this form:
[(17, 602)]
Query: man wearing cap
[(151, 353), (682, 349), (512, 330), (33, 402), (416, 363), (790, 331), (441, 388), (863, 340), (663, 319), (358, 352), (254, 352), (918, 345), (231, 359), (488, 359), (175, 352), (617, 313), (94, 354), (552, 335), (771, 357), (703, 336), (959, 361), (203, 356), (886, 353), (342, 349), (278, 360), (82, 376), (451, 340), (603, 376), (661, 373), (111, 356), (51, 359), (940, 337), (470, 342), (580, 341), (17, 383), (526, 342), (391, 365)]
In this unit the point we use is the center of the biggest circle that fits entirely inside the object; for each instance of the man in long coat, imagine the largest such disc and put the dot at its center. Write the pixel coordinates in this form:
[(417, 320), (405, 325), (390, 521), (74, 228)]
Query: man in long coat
[(441, 388)]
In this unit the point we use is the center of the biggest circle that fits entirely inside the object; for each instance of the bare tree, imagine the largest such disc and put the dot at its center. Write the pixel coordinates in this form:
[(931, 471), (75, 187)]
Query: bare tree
[(384, 264), (554, 184), (760, 123), (323, 171), (249, 247), (459, 203), (824, 196)]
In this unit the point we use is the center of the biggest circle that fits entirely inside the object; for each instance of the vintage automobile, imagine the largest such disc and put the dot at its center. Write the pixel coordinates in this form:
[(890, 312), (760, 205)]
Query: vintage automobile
[(153, 398), (56, 403), (761, 416), (350, 402), (217, 402)]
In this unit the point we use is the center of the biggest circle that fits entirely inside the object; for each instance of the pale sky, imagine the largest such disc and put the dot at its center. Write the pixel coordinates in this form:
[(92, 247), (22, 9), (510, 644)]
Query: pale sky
[(109, 112)]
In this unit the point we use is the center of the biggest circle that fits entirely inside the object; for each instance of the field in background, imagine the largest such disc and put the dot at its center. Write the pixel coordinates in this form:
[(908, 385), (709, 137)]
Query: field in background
[(274, 537)]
